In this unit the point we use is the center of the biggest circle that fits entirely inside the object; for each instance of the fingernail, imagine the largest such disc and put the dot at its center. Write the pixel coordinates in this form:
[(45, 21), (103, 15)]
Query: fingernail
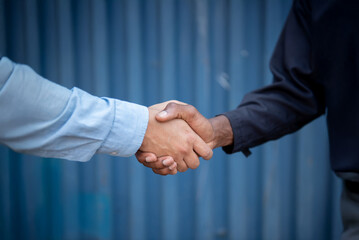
[(167, 162), (162, 114), (172, 167), (148, 159)]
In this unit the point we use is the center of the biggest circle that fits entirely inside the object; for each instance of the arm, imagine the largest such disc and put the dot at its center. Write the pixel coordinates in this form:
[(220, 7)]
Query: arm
[(291, 101), (42, 118)]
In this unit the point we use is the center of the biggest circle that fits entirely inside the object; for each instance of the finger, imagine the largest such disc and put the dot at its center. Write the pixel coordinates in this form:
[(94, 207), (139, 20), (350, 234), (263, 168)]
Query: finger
[(165, 171), (190, 114), (212, 145), (192, 160), (173, 111), (181, 166), (162, 162), (167, 161), (173, 166), (154, 165), (202, 148), (148, 157)]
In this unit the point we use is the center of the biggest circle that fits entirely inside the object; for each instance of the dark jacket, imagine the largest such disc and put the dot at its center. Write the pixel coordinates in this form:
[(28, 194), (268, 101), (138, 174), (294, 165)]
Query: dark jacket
[(316, 69)]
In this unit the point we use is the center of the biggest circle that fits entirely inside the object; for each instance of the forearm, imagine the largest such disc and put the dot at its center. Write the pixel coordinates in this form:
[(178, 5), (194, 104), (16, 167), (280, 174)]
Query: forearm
[(271, 113), (42, 118)]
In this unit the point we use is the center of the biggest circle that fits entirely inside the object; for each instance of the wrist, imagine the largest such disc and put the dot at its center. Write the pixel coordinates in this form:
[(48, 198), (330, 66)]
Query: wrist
[(150, 125), (223, 134)]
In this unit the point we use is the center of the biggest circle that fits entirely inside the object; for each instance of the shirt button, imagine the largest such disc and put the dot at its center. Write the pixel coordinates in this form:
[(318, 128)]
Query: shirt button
[(113, 153)]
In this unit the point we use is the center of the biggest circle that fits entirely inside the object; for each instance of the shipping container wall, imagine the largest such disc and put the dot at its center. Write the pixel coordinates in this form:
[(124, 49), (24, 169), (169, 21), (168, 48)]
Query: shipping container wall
[(208, 53)]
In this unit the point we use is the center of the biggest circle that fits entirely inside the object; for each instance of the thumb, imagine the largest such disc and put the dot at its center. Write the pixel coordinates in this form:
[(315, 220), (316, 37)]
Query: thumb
[(172, 111), (176, 111), (190, 114)]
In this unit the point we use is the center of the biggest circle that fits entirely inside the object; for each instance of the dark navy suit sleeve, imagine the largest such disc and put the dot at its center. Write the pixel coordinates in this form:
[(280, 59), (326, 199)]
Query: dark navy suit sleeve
[(292, 100)]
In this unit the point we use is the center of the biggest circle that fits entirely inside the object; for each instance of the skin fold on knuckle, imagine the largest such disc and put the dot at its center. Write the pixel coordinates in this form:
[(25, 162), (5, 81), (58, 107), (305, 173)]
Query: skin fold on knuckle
[(183, 149), (171, 107), (191, 112), (191, 138)]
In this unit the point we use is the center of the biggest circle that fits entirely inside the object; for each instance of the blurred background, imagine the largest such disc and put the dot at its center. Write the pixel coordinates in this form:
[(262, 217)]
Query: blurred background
[(208, 53)]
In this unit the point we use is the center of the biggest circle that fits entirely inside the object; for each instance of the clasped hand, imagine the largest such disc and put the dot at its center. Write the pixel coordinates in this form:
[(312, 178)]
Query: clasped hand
[(177, 135)]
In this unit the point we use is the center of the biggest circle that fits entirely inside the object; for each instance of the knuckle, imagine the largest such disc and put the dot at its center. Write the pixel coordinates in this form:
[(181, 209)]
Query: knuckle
[(175, 101), (191, 138), (183, 150), (192, 111), (172, 105)]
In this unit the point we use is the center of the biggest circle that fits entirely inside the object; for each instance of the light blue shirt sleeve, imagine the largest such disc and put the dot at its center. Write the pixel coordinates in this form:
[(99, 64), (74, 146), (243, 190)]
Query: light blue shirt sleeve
[(41, 118)]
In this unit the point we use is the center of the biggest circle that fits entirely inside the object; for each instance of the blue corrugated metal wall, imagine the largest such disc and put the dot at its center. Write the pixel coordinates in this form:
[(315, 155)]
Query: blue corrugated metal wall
[(208, 53)]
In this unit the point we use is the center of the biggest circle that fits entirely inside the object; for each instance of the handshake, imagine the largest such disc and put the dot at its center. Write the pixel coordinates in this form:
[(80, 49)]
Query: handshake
[(177, 135)]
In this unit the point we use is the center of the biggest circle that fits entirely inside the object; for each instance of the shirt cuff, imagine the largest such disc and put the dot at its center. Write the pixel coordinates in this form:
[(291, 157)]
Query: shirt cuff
[(128, 129), (238, 132), (6, 68)]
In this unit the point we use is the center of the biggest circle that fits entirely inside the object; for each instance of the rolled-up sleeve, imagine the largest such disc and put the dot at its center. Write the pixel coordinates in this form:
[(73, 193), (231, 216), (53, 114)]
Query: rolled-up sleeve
[(41, 118)]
